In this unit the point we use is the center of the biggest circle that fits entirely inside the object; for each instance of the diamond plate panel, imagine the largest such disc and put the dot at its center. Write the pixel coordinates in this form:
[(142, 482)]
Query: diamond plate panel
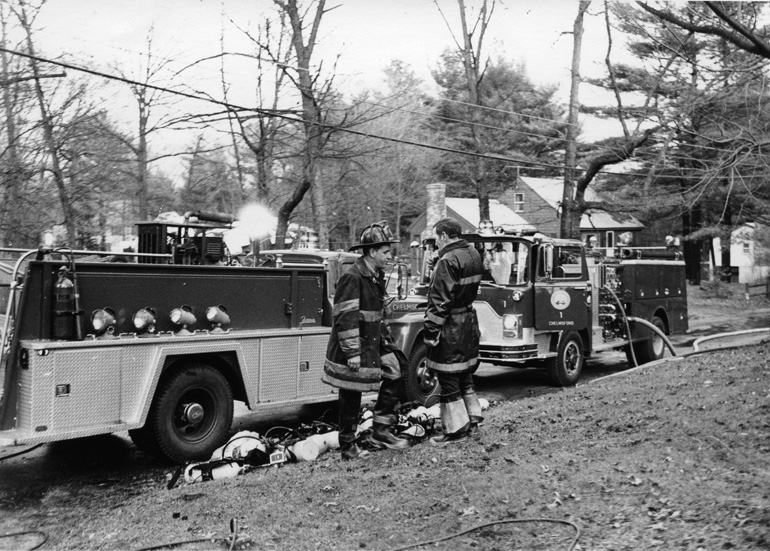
[(139, 368), (93, 378), (313, 351), (249, 353), (36, 397), (543, 342), (279, 365)]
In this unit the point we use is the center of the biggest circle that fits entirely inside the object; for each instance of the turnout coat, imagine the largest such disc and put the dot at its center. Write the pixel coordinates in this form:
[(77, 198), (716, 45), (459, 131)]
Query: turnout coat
[(359, 330), (451, 325)]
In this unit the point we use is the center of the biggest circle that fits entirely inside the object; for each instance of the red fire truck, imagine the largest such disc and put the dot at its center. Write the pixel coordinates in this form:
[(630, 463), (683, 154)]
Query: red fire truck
[(160, 343), (551, 303)]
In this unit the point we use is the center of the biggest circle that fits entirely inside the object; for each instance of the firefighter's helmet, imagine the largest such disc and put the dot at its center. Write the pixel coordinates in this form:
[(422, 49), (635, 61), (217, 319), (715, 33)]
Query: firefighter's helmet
[(375, 235)]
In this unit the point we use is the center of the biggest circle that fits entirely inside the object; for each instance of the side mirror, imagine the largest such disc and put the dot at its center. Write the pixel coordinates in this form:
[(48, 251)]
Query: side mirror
[(548, 261), (402, 285)]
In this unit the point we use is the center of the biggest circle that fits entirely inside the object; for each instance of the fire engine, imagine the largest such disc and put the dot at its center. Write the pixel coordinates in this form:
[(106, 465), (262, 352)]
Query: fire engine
[(161, 342), (552, 303)]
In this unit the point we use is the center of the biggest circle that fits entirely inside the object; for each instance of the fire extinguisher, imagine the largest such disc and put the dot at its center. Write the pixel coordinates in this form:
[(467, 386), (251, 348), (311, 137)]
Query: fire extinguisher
[(64, 307)]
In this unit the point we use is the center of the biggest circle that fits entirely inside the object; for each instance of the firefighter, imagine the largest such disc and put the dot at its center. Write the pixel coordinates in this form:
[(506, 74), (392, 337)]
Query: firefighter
[(452, 331), (360, 356)]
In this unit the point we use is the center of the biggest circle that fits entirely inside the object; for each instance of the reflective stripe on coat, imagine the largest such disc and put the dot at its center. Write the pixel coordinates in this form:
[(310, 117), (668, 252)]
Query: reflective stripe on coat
[(450, 320), (358, 329)]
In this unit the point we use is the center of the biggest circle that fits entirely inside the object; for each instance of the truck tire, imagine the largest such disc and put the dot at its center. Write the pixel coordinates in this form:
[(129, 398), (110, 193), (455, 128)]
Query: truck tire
[(653, 347), (566, 367), (145, 441), (191, 414), (420, 383)]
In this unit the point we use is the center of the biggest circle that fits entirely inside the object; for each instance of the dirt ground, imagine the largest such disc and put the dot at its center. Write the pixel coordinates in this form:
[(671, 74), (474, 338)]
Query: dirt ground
[(670, 456)]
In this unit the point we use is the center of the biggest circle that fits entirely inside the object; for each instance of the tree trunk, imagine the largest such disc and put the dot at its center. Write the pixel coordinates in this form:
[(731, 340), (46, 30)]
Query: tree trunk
[(11, 207), (49, 140), (570, 213)]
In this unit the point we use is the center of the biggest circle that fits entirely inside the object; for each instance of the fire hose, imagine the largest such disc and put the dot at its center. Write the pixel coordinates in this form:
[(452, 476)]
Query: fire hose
[(640, 321)]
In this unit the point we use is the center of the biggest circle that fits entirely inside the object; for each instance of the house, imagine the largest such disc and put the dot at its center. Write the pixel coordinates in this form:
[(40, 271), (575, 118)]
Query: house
[(748, 255), (465, 211), (538, 201)]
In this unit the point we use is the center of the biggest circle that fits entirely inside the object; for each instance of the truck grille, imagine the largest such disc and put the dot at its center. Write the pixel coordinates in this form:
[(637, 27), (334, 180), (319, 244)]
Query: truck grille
[(492, 353)]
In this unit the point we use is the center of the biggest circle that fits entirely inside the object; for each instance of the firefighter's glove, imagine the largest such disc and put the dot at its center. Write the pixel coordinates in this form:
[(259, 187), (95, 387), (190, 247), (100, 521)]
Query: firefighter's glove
[(354, 363), (431, 343)]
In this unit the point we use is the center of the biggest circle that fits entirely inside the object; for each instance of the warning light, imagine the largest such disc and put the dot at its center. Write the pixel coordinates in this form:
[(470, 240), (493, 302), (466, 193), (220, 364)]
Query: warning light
[(183, 317), (217, 316), (144, 320), (103, 322)]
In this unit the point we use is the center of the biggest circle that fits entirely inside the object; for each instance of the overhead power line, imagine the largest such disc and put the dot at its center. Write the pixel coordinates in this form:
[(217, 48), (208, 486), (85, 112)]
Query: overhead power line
[(279, 113), (286, 115)]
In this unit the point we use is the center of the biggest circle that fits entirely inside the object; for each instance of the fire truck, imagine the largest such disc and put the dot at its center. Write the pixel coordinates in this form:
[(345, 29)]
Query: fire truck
[(161, 342), (551, 303)]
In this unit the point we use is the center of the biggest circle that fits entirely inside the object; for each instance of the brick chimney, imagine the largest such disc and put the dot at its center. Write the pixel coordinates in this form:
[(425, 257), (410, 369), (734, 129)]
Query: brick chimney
[(436, 207)]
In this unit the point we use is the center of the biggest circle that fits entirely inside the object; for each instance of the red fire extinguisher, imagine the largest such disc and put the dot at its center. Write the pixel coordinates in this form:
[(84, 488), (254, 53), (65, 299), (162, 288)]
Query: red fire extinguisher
[(64, 307)]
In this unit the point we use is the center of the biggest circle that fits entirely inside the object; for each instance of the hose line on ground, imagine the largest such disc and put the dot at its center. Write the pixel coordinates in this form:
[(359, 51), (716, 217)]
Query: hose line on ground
[(43, 537), (493, 523)]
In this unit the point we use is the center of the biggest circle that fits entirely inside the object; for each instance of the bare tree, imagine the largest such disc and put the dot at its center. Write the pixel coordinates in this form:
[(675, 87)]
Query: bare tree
[(305, 79), (26, 20), (152, 70), (472, 62)]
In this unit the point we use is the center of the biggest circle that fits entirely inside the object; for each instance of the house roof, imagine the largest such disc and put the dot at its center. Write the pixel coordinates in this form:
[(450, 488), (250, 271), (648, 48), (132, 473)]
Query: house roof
[(468, 209), (551, 189)]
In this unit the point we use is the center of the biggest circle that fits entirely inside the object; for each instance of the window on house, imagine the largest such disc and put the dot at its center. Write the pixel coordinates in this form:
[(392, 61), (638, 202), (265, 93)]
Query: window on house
[(610, 239), (746, 247), (518, 202)]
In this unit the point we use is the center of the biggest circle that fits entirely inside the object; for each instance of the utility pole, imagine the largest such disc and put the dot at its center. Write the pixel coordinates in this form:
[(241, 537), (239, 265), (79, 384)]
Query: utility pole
[(569, 219)]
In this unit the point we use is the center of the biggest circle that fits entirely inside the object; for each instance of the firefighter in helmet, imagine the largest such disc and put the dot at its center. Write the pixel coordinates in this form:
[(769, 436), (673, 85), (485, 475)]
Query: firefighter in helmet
[(360, 356), (452, 331)]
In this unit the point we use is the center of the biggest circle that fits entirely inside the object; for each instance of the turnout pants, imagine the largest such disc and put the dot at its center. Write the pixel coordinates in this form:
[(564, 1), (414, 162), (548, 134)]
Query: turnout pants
[(459, 404)]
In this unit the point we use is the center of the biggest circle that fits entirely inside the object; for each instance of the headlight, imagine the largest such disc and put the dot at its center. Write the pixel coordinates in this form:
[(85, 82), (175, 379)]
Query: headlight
[(512, 326), (510, 322)]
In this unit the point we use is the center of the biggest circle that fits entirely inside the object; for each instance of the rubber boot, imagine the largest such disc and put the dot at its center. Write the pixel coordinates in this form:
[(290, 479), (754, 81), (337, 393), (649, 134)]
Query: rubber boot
[(454, 422), (472, 406), (349, 406), (383, 438), (352, 451)]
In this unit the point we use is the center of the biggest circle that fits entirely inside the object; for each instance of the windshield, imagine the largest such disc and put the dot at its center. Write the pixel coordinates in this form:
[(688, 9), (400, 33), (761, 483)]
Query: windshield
[(505, 262)]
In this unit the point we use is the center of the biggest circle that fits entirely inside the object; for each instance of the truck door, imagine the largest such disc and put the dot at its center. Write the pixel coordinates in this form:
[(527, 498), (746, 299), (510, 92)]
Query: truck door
[(561, 289)]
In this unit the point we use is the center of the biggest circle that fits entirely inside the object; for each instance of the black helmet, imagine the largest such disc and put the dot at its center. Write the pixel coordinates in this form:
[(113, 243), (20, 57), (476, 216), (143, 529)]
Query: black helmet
[(374, 235)]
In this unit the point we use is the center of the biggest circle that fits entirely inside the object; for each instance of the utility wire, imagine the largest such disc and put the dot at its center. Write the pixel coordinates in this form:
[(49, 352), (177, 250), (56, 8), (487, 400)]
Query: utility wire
[(279, 113), (284, 114)]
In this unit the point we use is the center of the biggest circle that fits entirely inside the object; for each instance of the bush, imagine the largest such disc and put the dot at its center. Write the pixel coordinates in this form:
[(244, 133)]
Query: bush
[(716, 289)]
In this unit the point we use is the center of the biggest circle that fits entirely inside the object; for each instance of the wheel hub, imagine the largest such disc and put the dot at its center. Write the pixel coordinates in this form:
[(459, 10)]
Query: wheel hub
[(193, 413)]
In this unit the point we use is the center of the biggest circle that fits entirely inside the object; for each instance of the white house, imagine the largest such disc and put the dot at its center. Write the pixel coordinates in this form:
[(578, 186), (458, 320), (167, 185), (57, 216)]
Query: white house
[(749, 256)]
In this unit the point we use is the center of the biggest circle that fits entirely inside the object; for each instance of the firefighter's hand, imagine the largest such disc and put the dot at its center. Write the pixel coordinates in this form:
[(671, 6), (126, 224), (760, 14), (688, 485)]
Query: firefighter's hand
[(429, 343), (354, 363)]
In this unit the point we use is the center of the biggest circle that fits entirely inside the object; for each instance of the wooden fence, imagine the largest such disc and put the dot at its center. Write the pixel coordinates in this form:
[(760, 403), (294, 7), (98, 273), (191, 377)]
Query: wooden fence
[(757, 290)]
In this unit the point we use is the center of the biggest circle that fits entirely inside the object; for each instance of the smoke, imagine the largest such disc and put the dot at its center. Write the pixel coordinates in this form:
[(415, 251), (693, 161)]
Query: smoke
[(254, 222)]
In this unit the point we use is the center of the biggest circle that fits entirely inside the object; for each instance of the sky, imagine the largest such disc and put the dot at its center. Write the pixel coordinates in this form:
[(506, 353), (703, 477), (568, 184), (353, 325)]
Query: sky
[(363, 35)]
